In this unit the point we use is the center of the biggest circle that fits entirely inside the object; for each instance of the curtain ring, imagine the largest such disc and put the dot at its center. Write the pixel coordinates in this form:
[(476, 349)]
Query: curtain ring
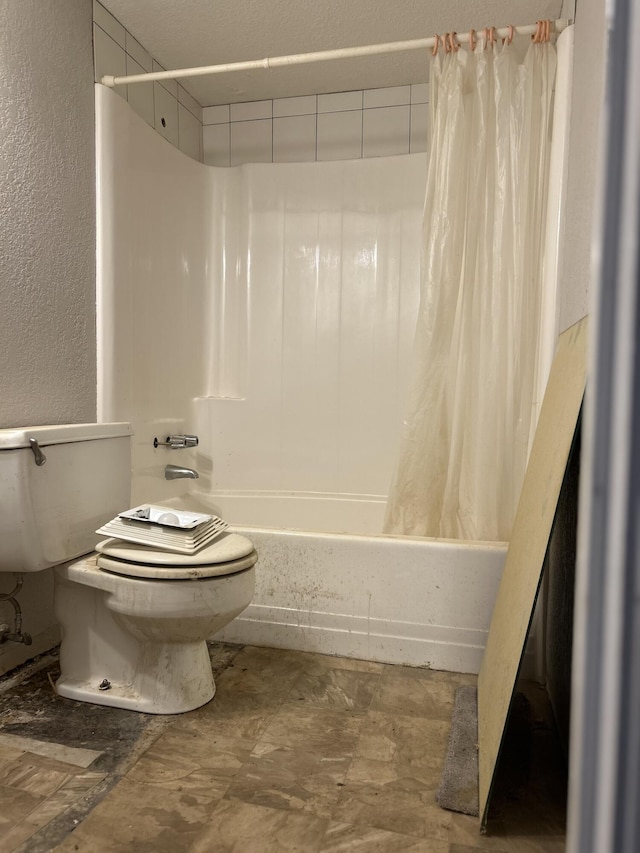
[(472, 40), (536, 36), (436, 44), (509, 38), (547, 30), (453, 41)]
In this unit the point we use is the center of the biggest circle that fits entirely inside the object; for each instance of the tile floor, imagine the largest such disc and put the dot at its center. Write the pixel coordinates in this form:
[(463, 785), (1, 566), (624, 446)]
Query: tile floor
[(297, 752)]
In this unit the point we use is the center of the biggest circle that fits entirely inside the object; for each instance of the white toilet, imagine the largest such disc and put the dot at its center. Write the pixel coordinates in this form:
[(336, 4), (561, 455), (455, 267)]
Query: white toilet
[(134, 620)]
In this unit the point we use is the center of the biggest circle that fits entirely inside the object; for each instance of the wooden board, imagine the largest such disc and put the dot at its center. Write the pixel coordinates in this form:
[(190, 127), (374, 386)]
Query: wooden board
[(522, 574)]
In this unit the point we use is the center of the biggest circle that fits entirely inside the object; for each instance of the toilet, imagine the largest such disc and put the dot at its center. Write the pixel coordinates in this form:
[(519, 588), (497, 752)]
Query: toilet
[(134, 620)]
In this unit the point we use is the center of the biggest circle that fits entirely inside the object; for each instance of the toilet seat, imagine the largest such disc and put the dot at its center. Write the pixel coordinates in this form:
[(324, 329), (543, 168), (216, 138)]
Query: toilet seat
[(228, 554)]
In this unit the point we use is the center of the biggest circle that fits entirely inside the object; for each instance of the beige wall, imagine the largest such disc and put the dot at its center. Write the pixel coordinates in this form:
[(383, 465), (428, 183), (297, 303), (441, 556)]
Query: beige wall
[(47, 236), (584, 137), (575, 285), (47, 244)]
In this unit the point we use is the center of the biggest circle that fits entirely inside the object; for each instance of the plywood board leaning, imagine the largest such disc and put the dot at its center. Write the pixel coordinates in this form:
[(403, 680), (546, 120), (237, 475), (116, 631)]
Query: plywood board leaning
[(522, 574)]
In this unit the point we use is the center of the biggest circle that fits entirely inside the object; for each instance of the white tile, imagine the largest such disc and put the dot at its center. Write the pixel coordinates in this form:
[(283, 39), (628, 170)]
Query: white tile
[(339, 135), (419, 93), (392, 96), (109, 24), (216, 144), (340, 101), (251, 110), (137, 52), (189, 133), (140, 95), (109, 58), (306, 105), (187, 100), (419, 127), (170, 85), (166, 114), (294, 139), (385, 131), (216, 115), (251, 141)]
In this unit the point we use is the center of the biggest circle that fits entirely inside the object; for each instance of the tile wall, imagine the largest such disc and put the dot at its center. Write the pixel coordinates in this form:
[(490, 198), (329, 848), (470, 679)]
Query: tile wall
[(339, 126), (166, 106)]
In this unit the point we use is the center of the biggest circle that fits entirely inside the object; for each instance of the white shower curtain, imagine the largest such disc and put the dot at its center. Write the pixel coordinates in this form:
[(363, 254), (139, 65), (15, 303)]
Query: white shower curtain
[(466, 433)]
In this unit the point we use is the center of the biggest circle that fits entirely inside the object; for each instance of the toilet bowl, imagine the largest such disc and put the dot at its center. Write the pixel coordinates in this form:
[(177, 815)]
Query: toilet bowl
[(135, 621)]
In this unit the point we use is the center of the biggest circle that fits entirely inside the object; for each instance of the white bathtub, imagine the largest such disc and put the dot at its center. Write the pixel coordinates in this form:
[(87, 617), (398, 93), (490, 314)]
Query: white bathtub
[(396, 599)]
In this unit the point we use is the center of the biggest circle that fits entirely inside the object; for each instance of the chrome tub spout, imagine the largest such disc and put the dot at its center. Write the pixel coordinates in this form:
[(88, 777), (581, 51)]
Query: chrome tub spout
[(176, 472)]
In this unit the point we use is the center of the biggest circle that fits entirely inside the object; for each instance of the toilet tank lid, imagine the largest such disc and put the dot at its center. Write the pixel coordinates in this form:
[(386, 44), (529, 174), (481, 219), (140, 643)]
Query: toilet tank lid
[(18, 437)]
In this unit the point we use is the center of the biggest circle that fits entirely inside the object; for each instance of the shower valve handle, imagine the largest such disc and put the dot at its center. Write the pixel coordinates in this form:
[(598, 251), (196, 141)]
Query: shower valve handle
[(177, 442)]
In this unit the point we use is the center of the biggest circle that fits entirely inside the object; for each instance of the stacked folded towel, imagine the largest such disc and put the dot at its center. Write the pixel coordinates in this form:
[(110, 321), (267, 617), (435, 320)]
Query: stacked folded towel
[(165, 528)]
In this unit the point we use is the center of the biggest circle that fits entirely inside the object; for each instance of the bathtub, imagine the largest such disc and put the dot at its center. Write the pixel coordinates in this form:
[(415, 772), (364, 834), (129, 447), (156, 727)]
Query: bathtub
[(394, 599)]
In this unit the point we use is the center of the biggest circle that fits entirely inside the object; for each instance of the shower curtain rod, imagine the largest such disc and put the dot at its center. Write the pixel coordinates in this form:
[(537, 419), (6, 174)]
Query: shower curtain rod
[(319, 56)]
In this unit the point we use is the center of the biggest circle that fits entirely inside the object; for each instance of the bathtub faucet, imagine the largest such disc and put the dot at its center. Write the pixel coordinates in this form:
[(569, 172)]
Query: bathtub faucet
[(175, 472)]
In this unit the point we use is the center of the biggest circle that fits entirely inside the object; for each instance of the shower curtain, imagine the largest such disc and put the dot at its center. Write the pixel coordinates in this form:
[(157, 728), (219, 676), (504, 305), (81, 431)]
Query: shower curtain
[(467, 429)]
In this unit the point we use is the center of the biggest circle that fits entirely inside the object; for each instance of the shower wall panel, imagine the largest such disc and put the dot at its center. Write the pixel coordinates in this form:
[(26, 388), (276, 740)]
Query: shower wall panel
[(328, 278), (269, 308), (154, 216)]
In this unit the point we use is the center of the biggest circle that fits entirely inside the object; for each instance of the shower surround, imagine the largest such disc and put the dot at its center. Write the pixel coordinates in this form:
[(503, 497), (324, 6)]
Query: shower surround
[(270, 309)]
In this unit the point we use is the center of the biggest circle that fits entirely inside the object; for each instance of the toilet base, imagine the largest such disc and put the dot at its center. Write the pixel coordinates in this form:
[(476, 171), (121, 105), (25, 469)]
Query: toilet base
[(184, 685), (145, 638)]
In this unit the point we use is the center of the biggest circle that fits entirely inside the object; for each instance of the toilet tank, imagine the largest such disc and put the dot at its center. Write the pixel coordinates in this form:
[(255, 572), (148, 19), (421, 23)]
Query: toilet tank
[(49, 512)]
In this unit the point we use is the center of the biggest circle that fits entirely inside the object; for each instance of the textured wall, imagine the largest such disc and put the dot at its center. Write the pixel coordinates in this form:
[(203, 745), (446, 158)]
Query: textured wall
[(47, 244), (47, 239)]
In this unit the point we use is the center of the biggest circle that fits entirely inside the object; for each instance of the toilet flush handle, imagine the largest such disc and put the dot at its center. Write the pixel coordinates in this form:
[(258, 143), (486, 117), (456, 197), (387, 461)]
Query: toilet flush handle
[(40, 457)]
